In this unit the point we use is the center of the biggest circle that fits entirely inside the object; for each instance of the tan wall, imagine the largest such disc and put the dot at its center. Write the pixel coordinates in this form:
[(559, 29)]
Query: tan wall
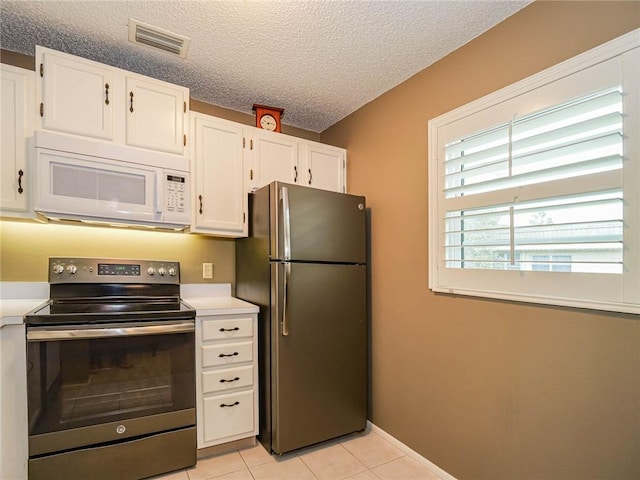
[(483, 388), (26, 247)]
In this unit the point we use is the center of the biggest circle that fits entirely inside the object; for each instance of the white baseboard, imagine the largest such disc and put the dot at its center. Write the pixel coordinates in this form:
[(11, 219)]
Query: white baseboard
[(410, 453)]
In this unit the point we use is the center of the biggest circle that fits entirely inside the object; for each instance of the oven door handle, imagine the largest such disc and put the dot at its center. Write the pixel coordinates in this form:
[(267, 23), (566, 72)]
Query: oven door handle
[(111, 330)]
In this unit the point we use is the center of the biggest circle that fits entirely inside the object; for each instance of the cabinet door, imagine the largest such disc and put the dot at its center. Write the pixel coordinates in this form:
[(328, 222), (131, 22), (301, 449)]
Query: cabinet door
[(155, 115), (229, 416), (13, 398), (76, 95), (275, 158), (16, 126), (218, 171), (323, 166)]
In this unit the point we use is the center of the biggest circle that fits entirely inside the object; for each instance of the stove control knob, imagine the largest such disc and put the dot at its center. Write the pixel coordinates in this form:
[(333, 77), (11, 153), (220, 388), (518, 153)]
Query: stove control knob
[(72, 269), (151, 271), (58, 269), (172, 271), (161, 271)]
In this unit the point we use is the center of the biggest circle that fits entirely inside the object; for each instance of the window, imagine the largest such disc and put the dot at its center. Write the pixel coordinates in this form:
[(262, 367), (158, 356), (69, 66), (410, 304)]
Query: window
[(534, 189)]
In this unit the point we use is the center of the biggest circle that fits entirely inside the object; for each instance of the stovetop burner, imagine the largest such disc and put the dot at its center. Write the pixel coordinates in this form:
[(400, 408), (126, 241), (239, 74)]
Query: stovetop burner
[(98, 306), (54, 313), (88, 290)]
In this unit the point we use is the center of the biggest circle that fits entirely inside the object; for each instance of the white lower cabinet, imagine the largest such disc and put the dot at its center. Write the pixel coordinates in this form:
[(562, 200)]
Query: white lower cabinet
[(13, 403), (227, 378), (229, 416)]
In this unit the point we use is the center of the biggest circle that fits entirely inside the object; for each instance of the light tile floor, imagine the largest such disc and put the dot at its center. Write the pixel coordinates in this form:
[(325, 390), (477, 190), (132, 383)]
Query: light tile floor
[(365, 456)]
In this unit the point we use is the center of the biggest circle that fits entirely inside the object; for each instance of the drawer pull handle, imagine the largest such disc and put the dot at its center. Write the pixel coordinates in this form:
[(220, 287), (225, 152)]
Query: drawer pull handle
[(229, 381), (234, 329), (228, 354), (20, 175), (223, 405)]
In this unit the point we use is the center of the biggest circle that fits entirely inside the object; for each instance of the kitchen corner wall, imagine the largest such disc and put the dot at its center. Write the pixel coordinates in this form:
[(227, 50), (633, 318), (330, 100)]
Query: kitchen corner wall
[(487, 389)]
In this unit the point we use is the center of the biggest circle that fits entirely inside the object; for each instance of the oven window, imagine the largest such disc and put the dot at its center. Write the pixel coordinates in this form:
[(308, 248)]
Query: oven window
[(78, 383)]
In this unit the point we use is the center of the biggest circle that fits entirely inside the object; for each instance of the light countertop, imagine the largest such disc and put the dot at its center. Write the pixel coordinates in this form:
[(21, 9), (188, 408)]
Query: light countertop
[(19, 298), (214, 299)]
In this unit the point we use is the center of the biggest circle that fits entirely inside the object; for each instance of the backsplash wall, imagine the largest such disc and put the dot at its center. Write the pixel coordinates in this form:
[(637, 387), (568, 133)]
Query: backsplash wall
[(26, 247)]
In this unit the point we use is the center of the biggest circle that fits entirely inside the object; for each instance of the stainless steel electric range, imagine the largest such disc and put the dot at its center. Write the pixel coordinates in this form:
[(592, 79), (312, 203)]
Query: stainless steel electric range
[(111, 372)]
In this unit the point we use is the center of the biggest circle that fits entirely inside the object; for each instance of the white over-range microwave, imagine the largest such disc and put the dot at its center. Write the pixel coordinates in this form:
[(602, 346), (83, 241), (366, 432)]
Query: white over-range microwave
[(108, 184)]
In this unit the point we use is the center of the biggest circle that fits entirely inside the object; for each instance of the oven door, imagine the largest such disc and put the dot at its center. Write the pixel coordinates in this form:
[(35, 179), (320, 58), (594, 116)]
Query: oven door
[(97, 384)]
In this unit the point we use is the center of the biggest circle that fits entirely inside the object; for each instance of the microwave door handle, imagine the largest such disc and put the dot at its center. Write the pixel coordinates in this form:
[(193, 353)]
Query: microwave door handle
[(159, 191)]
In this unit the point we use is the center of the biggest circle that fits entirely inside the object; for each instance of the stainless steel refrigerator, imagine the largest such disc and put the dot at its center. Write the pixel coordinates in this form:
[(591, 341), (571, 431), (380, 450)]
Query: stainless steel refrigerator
[(304, 264)]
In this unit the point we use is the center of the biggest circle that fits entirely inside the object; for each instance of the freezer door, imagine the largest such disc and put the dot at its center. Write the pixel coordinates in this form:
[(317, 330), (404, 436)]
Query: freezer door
[(319, 363), (309, 224)]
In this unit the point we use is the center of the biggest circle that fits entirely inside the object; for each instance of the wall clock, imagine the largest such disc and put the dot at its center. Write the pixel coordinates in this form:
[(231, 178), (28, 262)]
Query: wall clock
[(268, 118)]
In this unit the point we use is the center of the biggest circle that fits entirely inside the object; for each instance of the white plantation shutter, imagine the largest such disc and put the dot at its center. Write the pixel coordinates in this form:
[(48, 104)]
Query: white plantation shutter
[(577, 139), (533, 189)]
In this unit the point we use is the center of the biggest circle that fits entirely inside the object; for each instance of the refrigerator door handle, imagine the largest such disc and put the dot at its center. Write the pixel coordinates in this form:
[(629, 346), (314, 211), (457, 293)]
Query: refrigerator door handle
[(286, 223), (285, 323)]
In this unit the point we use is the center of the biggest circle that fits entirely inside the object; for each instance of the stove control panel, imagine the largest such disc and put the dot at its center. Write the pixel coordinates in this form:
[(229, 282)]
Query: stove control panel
[(101, 270)]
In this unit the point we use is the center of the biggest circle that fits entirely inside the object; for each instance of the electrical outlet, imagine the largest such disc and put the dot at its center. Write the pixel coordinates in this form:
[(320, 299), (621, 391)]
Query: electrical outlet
[(207, 270)]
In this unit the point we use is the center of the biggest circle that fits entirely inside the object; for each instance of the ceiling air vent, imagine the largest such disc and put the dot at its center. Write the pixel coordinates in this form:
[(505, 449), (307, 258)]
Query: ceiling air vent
[(159, 38)]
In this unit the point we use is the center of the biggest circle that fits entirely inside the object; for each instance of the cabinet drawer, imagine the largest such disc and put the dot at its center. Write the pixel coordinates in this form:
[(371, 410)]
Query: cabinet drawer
[(225, 329), (227, 379), (228, 415), (227, 354)]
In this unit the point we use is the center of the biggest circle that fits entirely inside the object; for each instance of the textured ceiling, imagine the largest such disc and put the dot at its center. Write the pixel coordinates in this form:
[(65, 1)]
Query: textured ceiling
[(319, 60)]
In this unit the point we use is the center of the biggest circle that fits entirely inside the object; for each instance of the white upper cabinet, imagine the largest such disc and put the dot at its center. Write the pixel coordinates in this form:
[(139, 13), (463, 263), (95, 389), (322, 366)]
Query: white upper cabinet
[(218, 173), (15, 128), (89, 99), (76, 95), (155, 114), (275, 158), (279, 157), (323, 166)]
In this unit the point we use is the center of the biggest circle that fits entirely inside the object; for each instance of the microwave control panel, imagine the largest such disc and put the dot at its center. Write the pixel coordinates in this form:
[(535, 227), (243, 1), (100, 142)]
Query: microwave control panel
[(176, 193)]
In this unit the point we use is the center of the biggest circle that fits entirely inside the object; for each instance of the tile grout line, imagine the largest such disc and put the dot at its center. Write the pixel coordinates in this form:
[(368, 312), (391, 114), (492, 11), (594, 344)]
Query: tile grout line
[(245, 464), (412, 454)]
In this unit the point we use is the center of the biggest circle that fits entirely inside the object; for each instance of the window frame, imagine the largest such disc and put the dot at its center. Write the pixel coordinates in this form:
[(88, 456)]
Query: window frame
[(620, 293)]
